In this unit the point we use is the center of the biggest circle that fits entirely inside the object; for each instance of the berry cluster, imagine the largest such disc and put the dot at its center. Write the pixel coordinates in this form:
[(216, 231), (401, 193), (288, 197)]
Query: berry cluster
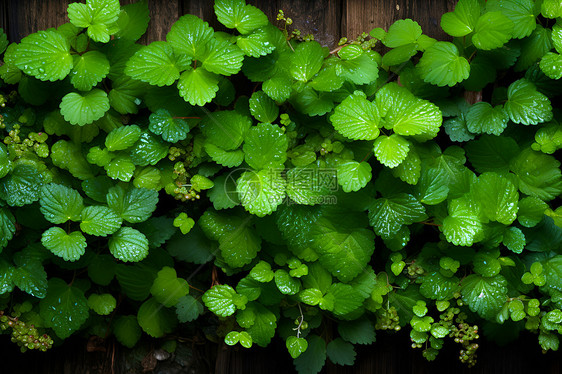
[(24, 335), (35, 142), (462, 333), (387, 319), (415, 270)]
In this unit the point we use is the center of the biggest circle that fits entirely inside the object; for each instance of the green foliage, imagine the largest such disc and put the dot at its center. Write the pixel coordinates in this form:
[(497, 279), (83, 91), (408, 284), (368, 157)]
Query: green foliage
[(314, 184)]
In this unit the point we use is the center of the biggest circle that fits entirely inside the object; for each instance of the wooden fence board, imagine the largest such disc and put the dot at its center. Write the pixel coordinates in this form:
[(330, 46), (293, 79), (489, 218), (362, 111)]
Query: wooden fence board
[(328, 20)]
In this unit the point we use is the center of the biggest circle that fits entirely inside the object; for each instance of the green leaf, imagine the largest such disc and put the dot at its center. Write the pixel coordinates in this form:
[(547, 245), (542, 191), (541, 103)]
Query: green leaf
[(60, 203), (7, 227), (167, 288), (534, 47), (89, 69), (520, 12), (463, 19), (313, 359), (483, 118), (484, 295), (122, 137), (296, 346), (345, 298), (189, 35), (514, 239), (539, 174), (100, 221), (391, 150), (184, 223), (223, 300), (402, 32), (531, 211), (493, 30), (222, 57), (262, 272), (236, 14), (135, 205), (172, 129), (357, 118), (361, 70), (353, 176), (526, 105), (260, 193), (438, 287), (498, 197), (462, 225), (155, 64), (127, 330), (238, 242), (341, 352), (31, 277), (400, 55), (128, 244), (278, 87), (97, 15), (188, 309), (257, 43), (259, 322), (198, 86), (135, 280), (406, 114), (22, 186), (387, 215), (285, 283), (224, 158), (343, 251), (5, 162), (102, 269), (44, 55), (3, 41), (64, 309), (99, 157), (457, 130), (442, 65), (6, 277), (148, 150), (84, 109), (102, 304), (125, 93), (492, 153), (133, 21), (121, 167), (306, 61), (551, 65), (265, 146), (263, 108), (68, 246), (551, 9), (432, 187), (359, 331), (486, 263), (225, 129), (311, 296), (156, 320)]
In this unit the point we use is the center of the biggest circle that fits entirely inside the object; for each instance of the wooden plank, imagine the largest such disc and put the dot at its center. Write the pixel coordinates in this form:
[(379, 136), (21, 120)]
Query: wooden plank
[(163, 14), (26, 17), (323, 19), (364, 15)]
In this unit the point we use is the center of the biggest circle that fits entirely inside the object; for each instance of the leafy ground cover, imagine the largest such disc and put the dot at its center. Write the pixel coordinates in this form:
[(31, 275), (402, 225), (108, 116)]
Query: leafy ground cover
[(255, 184)]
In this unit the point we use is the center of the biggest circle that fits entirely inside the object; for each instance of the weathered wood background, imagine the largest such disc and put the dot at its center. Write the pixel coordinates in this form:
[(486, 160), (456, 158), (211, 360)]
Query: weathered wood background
[(328, 20)]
